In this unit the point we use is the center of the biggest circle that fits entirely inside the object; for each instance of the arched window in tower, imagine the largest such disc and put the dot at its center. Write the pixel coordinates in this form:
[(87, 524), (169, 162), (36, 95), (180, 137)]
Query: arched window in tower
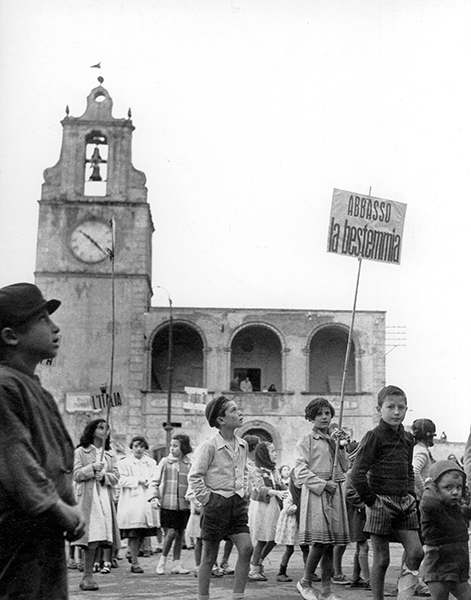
[(187, 358), (256, 360), (327, 361), (96, 164)]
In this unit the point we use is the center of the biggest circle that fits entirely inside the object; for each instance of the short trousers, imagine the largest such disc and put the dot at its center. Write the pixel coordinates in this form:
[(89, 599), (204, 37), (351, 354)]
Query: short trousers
[(448, 562), (223, 517), (389, 513), (356, 523), (174, 519)]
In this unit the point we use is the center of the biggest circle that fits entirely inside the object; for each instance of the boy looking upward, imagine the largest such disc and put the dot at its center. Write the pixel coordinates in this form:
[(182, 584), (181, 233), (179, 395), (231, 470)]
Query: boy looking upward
[(36, 454), (445, 532), (218, 480), (383, 476)]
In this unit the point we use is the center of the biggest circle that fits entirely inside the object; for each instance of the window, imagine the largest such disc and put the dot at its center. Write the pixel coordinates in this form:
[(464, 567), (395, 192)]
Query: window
[(187, 358), (327, 362), (256, 354), (96, 164)]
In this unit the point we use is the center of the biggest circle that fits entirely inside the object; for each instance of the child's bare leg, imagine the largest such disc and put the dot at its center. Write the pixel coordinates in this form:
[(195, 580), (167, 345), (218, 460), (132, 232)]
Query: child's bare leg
[(414, 551), (407, 582), (198, 551), (380, 544), (339, 551), (133, 544), (244, 547), (177, 546), (229, 544), (289, 550), (313, 558), (266, 550), (461, 591), (440, 590), (363, 559), (168, 541), (327, 569), (356, 563), (208, 558), (257, 551)]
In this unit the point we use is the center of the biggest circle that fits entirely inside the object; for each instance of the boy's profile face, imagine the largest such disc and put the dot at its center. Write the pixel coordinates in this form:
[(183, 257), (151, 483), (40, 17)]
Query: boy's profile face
[(450, 487), (233, 416), (393, 410), (38, 339)]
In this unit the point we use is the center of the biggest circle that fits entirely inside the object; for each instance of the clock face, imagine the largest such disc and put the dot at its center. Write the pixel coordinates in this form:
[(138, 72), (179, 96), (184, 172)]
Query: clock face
[(91, 240)]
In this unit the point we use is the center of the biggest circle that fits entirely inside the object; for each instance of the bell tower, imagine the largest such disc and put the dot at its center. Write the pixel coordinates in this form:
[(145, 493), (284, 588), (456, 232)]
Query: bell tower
[(94, 253)]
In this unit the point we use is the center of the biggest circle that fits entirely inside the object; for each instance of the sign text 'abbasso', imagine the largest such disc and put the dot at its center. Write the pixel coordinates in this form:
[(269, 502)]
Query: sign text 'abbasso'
[(366, 227)]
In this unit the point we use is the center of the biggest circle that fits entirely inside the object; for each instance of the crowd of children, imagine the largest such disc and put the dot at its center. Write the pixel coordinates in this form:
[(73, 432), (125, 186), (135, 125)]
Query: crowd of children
[(387, 487)]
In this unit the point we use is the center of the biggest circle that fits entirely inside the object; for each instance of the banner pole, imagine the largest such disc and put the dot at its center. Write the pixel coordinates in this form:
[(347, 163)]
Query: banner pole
[(113, 303), (345, 369)]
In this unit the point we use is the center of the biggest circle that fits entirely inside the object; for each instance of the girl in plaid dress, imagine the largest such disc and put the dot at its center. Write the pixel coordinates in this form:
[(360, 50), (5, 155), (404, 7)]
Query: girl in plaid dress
[(170, 485)]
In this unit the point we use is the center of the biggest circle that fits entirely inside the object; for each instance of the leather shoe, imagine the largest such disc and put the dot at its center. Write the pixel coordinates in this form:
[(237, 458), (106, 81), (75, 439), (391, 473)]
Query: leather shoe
[(88, 583), (137, 569)]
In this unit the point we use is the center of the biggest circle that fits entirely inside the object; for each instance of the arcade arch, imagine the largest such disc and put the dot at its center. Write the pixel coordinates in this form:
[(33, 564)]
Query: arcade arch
[(187, 358), (256, 354), (327, 351)]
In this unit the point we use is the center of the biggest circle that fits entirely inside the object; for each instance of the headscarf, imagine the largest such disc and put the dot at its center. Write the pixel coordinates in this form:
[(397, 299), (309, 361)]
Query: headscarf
[(262, 456)]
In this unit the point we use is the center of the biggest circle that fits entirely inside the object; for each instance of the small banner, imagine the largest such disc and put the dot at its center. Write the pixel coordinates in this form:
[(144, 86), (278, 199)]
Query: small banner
[(367, 227), (100, 400), (196, 399)]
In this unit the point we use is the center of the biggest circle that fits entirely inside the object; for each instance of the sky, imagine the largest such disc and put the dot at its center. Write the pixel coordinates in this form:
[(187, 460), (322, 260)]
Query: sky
[(248, 113)]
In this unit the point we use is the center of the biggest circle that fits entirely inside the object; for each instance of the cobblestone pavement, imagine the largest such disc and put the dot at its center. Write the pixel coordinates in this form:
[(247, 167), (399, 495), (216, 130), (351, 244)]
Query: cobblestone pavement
[(121, 584)]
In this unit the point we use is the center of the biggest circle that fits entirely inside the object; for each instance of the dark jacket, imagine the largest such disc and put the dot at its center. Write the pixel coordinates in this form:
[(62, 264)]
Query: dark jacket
[(36, 453), (383, 464), (441, 523)]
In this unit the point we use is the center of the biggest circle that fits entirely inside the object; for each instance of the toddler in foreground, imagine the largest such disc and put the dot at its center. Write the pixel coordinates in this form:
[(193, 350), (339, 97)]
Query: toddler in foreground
[(445, 532)]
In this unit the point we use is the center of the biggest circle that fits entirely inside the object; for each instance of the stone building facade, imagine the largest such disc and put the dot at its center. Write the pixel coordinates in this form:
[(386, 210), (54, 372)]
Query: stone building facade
[(94, 253)]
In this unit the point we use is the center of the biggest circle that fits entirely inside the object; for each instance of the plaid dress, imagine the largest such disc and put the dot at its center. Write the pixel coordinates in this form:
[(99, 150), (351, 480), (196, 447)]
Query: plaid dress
[(170, 482)]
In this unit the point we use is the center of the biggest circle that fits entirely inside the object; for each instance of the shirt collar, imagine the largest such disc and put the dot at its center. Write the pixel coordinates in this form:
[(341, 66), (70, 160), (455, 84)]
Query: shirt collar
[(221, 442)]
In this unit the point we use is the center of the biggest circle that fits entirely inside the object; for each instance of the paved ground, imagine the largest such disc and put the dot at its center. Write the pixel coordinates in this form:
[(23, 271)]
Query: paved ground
[(121, 584)]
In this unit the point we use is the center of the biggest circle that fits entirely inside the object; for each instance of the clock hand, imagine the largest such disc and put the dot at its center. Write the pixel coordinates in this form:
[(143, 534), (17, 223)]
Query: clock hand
[(93, 242)]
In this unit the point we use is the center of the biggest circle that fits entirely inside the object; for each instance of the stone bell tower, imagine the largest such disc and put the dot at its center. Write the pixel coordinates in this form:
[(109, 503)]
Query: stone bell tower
[(94, 253)]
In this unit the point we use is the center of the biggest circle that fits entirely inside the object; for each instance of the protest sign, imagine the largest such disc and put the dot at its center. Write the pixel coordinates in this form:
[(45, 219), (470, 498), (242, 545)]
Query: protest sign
[(366, 227)]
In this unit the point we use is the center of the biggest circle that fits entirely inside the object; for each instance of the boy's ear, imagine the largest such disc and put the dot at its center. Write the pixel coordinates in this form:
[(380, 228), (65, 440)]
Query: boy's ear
[(378, 408), (9, 336)]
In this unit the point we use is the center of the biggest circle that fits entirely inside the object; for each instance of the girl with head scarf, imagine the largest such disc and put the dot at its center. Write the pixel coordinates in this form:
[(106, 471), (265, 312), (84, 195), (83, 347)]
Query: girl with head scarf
[(268, 493)]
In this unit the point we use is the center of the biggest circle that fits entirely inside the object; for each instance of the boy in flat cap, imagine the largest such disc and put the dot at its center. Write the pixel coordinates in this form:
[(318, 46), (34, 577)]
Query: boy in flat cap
[(218, 479), (444, 523), (36, 454)]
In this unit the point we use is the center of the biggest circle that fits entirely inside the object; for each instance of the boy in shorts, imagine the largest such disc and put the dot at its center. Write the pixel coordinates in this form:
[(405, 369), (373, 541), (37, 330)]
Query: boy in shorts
[(218, 480), (37, 502), (445, 532), (383, 476)]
